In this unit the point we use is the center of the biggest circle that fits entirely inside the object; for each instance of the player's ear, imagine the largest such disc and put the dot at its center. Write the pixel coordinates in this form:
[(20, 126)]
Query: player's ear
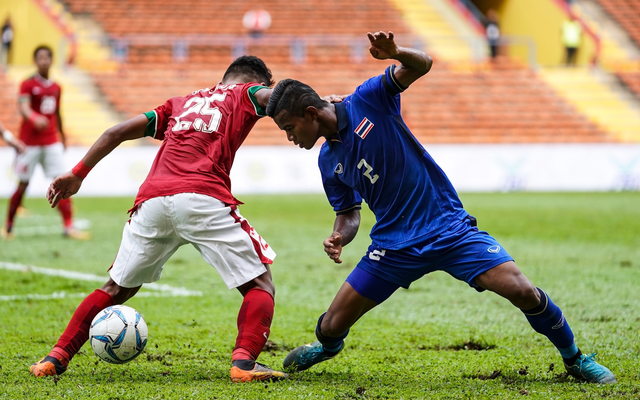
[(311, 111)]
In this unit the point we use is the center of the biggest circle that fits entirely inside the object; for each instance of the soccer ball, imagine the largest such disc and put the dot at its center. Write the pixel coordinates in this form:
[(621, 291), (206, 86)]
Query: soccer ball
[(118, 334)]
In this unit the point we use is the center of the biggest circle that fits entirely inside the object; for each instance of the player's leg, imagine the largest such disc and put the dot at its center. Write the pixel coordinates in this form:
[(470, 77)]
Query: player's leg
[(254, 326), (148, 241), (361, 292), (228, 243), (53, 165), (24, 166), (545, 318), (14, 204), (77, 331)]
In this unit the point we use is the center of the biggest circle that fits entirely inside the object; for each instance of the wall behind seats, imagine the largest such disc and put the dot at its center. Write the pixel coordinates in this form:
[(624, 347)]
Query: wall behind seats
[(32, 28), (542, 21)]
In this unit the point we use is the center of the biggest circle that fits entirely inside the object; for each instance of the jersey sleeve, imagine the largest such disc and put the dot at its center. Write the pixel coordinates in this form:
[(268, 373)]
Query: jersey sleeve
[(25, 91), (254, 101), (158, 120), (342, 198), (382, 92)]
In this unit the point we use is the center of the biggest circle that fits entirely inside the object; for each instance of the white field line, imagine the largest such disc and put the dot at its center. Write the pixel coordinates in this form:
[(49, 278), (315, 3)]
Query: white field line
[(161, 290), (51, 228)]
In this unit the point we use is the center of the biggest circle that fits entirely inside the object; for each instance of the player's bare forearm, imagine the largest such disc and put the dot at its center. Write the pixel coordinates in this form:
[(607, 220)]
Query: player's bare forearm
[(347, 225), (345, 229), (68, 184), (413, 63), (113, 137), (25, 108)]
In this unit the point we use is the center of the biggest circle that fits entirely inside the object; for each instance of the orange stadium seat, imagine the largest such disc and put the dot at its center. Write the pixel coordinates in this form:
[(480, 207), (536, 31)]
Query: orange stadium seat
[(503, 103), (9, 114)]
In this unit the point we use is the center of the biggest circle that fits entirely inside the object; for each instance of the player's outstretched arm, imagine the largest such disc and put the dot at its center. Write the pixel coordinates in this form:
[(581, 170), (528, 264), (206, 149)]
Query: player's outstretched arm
[(68, 184), (345, 229), (12, 140), (413, 63)]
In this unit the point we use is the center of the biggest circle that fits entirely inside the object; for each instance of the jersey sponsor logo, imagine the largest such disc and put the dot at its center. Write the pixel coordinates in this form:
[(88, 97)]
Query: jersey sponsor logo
[(560, 323), (338, 169), (376, 254), (364, 128), (494, 249)]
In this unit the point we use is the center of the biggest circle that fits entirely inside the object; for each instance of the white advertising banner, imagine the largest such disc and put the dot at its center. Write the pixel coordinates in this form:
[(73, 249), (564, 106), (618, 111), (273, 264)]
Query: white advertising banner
[(288, 169)]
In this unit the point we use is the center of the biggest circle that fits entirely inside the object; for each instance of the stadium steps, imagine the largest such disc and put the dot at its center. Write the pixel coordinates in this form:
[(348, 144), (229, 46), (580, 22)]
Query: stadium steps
[(617, 47), (85, 114), (597, 95), (93, 53), (440, 26)]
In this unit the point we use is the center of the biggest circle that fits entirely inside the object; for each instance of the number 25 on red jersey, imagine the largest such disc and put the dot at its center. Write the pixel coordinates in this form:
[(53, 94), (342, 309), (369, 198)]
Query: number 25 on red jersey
[(198, 108)]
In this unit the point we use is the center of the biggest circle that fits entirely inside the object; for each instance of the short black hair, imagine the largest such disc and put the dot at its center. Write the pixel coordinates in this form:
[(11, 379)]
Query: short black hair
[(294, 97), (250, 66), (42, 47)]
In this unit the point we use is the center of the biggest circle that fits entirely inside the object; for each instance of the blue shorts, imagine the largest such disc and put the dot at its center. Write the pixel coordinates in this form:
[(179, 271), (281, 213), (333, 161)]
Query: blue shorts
[(463, 252)]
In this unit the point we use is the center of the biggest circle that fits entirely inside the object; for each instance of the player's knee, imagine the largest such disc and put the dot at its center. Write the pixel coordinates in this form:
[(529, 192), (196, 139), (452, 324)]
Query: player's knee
[(118, 293), (525, 296)]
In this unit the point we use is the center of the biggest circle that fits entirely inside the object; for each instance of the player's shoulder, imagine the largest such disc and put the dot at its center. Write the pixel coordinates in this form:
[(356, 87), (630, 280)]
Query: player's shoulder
[(29, 80)]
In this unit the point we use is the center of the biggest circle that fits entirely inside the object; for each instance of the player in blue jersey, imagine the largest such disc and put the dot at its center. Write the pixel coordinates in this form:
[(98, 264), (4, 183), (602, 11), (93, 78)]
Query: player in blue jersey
[(421, 225)]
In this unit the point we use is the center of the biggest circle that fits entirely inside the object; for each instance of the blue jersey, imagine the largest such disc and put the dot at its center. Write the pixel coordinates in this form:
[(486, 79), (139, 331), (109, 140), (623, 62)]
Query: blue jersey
[(376, 158)]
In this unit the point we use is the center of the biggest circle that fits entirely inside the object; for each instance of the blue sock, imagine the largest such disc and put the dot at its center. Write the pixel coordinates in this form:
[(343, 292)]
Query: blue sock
[(547, 319), (330, 344)]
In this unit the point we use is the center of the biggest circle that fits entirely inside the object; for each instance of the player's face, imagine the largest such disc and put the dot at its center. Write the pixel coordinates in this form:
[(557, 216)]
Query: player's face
[(43, 61), (302, 131)]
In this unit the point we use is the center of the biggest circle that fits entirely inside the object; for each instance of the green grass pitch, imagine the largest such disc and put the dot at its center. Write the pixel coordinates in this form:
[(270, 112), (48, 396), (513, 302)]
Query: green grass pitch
[(439, 340)]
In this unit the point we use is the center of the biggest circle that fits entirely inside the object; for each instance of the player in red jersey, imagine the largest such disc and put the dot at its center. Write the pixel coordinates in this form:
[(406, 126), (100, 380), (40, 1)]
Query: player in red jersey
[(42, 133), (186, 198)]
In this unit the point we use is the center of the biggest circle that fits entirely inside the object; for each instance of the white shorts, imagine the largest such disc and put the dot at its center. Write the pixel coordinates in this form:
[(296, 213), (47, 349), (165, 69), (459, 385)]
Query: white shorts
[(51, 158), (160, 225)]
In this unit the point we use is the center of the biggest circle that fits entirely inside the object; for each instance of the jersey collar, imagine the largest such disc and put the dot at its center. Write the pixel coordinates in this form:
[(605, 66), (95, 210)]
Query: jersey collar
[(42, 80), (342, 116)]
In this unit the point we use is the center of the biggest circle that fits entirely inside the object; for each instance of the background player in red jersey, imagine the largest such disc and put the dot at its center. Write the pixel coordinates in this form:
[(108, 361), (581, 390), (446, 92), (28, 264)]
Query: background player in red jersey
[(186, 198), (42, 133)]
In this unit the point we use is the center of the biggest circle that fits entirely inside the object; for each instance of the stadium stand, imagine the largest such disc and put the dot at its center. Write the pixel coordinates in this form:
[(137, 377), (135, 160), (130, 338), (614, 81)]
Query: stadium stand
[(627, 14), (502, 103), (9, 114)]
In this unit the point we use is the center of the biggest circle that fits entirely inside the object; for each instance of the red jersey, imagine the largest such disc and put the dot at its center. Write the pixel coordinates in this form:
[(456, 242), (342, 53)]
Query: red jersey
[(44, 98), (201, 133)]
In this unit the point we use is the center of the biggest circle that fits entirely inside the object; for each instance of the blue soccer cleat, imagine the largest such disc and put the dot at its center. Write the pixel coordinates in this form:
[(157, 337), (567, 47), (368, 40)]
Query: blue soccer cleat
[(586, 368), (305, 357)]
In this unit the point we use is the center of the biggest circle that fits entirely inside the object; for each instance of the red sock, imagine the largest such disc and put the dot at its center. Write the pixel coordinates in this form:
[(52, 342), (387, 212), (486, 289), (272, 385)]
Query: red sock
[(254, 321), (77, 332), (65, 209), (14, 203)]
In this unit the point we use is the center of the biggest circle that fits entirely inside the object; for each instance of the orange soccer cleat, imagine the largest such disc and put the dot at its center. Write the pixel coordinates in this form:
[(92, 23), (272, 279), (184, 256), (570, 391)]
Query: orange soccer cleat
[(48, 366), (259, 372)]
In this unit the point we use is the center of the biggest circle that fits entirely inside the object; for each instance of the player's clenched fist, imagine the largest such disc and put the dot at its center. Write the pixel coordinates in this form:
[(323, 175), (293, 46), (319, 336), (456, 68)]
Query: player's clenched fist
[(333, 247), (382, 45), (63, 187)]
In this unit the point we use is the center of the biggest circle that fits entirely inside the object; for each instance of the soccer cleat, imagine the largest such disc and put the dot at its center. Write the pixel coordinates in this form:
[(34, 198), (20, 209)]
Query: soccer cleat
[(6, 235), (76, 235), (305, 357), (48, 366), (586, 368), (259, 372)]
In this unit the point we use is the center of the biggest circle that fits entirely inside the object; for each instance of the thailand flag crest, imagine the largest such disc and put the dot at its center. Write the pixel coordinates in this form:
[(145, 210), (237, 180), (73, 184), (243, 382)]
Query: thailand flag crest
[(364, 128)]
